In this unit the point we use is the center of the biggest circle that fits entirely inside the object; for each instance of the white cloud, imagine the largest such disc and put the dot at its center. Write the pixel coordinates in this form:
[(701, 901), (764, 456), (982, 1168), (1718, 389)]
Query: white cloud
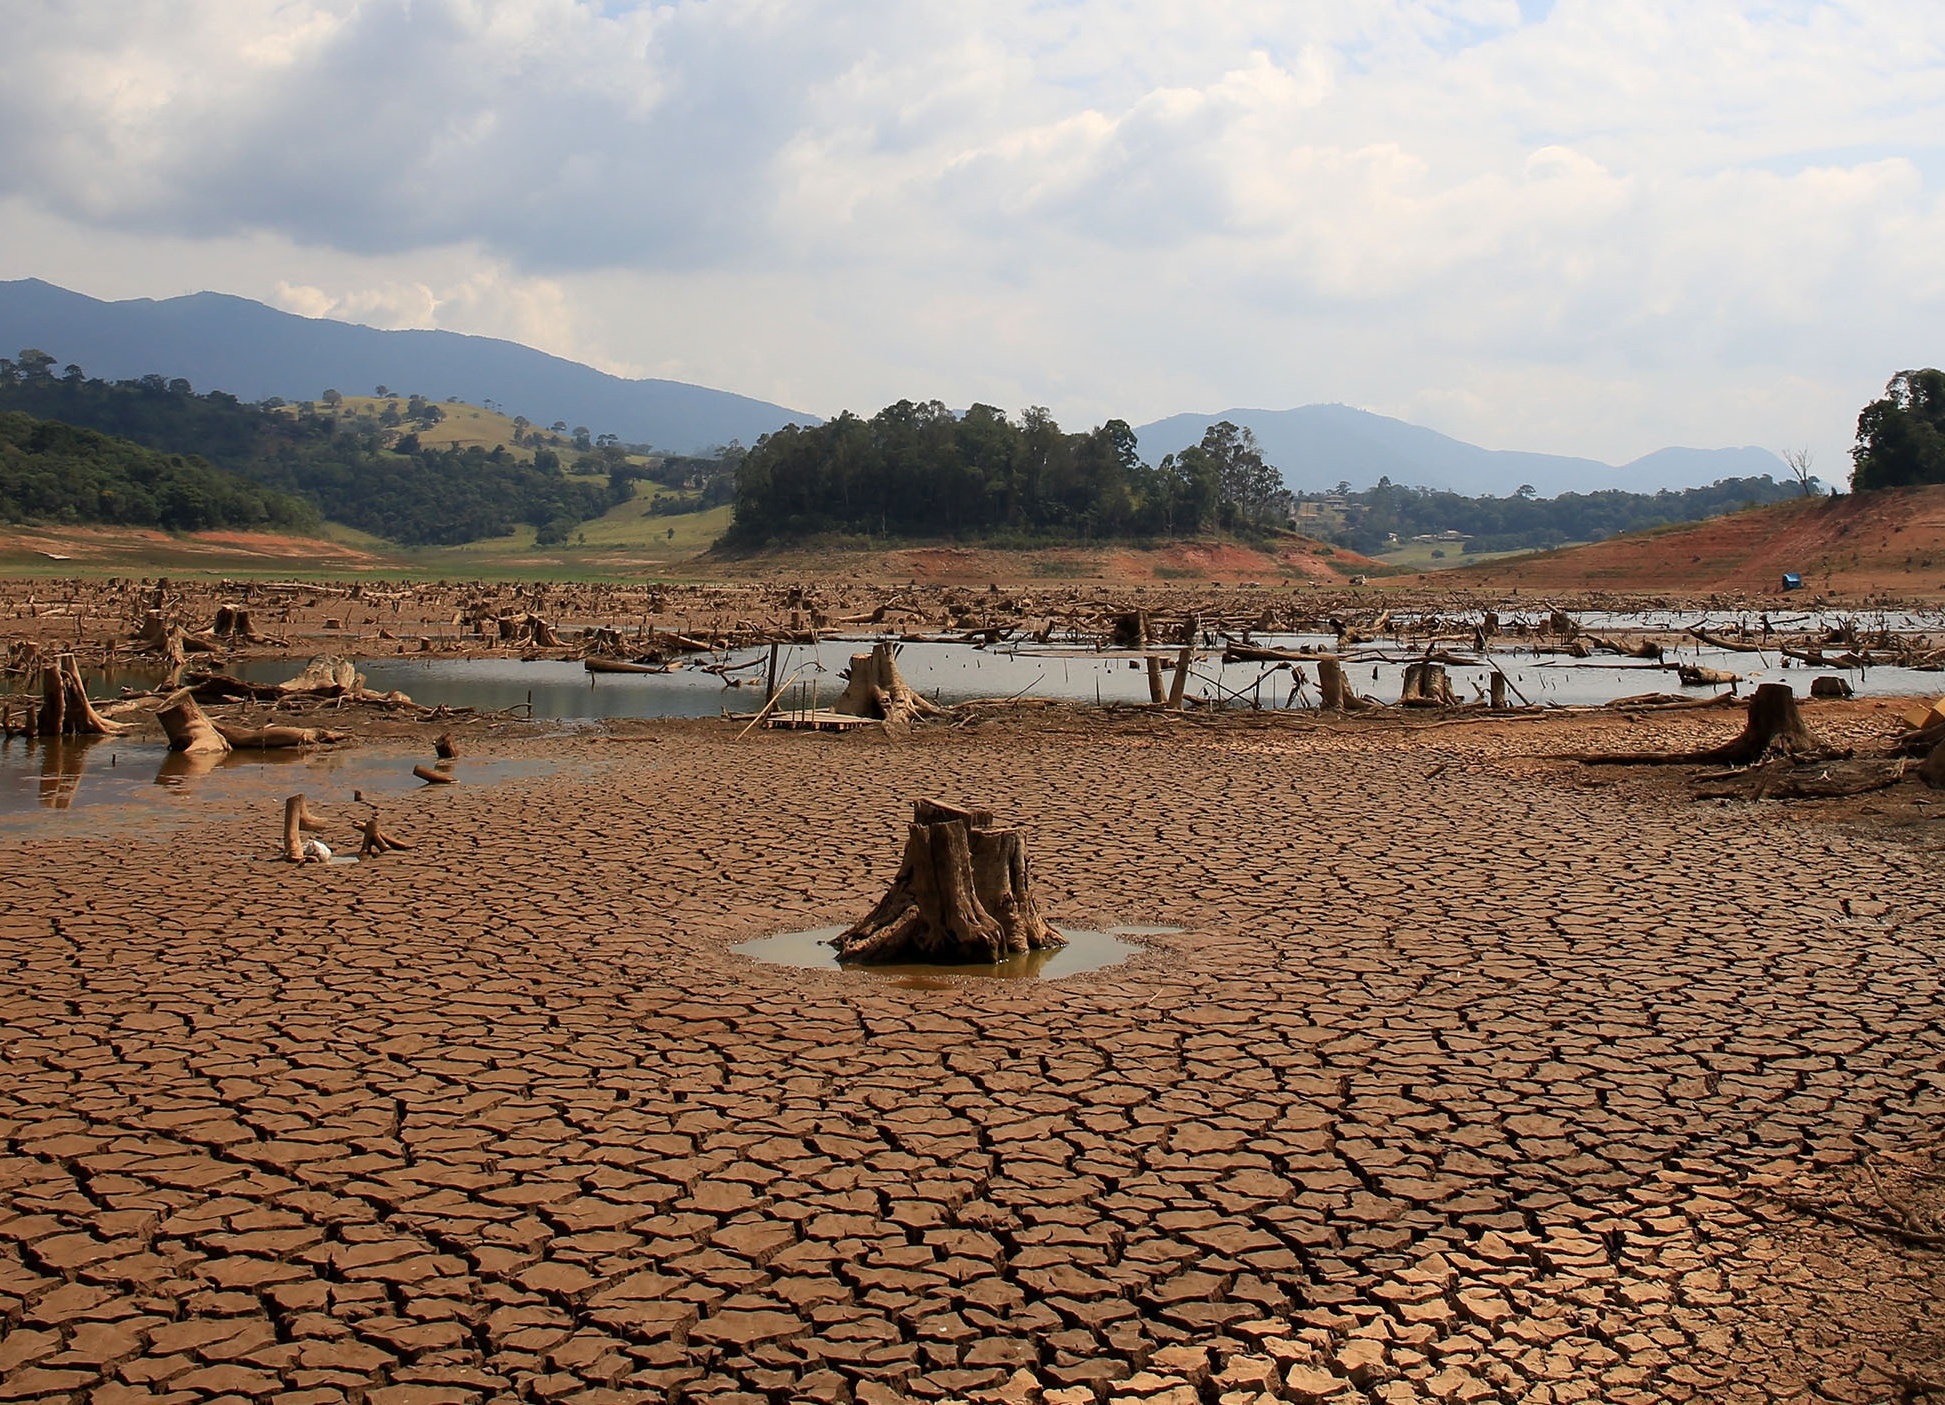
[(1614, 228)]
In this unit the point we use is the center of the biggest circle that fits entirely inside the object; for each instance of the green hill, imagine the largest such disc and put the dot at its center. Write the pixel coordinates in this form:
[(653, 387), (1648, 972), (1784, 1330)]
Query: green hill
[(57, 473), (373, 473)]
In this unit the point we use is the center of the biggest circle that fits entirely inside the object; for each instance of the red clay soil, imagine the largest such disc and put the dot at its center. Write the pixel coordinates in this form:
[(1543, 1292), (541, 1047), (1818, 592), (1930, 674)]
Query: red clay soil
[(1890, 542), (109, 548), (1290, 560)]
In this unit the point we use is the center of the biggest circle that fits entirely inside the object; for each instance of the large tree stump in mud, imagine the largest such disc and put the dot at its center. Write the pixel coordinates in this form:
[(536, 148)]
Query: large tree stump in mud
[(1775, 728), (1426, 685), (1337, 693), (65, 708), (54, 699), (188, 729), (963, 895), (877, 689)]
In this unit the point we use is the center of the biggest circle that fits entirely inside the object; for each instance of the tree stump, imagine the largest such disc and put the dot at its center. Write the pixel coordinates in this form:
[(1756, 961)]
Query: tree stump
[(1184, 661), (1426, 685), (81, 715), (877, 689), (377, 841), (963, 896), (1775, 727), (1337, 693), (53, 718), (188, 729)]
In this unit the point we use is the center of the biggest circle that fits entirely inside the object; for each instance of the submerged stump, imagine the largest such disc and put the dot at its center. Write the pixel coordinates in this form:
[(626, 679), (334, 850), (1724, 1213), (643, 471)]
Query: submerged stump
[(963, 895)]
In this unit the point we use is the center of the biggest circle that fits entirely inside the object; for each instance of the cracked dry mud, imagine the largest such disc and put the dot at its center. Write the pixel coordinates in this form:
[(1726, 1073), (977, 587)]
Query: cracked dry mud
[(1463, 1087)]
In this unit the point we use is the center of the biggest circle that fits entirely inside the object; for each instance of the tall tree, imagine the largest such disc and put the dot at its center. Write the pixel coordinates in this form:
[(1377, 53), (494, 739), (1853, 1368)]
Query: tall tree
[(1901, 437)]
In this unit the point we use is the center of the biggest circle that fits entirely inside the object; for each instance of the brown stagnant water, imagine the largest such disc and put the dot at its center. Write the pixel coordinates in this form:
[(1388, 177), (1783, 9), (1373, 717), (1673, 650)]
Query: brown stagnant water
[(1086, 950), (41, 780)]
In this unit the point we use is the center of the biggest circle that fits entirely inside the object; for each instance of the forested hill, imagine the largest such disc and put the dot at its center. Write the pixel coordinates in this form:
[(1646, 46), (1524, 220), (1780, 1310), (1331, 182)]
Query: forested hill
[(1373, 521), (257, 352), (918, 470), (381, 482), (56, 473)]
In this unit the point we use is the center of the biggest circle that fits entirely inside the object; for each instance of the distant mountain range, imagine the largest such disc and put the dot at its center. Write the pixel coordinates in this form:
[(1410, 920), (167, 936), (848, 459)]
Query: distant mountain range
[(1320, 446), (219, 342)]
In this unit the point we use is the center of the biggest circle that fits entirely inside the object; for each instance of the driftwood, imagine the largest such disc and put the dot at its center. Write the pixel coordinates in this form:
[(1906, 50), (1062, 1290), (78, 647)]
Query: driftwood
[(188, 730), (432, 777), (963, 894), (444, 747), (324, 676), (276, 738), (1774, 726)]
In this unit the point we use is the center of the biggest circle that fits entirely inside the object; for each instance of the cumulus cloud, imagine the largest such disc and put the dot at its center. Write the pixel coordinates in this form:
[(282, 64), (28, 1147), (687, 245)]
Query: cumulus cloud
[(1645, 213)]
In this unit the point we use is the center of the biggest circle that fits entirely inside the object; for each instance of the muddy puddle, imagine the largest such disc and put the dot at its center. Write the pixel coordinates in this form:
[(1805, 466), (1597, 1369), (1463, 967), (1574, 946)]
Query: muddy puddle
[(1086, 950), (41, 781)]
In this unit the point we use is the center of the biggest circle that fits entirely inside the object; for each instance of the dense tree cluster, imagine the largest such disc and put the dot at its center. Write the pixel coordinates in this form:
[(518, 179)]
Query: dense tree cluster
[(374, 477), (918, 470), (56, 473), (1901, 438), (1523, 521)]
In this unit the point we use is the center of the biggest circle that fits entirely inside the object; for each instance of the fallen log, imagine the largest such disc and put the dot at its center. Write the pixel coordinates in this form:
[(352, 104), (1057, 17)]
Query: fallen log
[(1715, 641), (963, 894), (595, 664), (222, 688), (276, 738), (432, 777)]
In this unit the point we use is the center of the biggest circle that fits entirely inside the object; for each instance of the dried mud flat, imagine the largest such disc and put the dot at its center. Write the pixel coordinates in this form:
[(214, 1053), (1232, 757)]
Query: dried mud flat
[(1467, 1080)]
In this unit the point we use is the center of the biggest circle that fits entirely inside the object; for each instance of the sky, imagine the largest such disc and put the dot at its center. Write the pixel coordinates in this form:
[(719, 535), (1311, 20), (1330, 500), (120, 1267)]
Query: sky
[(1591, 227)]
